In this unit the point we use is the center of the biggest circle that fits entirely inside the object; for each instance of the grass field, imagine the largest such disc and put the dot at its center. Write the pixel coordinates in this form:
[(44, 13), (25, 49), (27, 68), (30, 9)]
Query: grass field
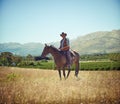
[(84, 65), (37, 86)]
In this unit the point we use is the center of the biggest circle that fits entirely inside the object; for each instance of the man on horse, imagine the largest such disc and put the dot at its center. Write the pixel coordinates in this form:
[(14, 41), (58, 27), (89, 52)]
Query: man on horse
[(64, 47), (63, 60)]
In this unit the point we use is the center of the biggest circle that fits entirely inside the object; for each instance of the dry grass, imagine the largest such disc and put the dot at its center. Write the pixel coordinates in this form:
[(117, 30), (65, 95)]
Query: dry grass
[(34, 86)]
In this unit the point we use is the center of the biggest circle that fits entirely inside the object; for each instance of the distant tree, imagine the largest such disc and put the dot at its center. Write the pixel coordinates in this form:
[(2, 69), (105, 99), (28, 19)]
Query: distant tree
[(16, 59), (114, 56), (29, 57), (118, 57), (6, 58)]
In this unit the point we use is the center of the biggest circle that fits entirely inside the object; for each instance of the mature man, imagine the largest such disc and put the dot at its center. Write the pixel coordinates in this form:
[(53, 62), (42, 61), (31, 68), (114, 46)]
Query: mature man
[(64, 47)]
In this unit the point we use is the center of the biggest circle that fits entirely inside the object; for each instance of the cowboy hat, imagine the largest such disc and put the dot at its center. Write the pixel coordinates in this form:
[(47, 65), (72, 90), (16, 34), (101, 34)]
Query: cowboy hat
[(63, 34)]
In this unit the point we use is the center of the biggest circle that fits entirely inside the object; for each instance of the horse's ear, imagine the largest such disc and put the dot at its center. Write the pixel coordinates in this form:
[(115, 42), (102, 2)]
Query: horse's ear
[(45, 44)]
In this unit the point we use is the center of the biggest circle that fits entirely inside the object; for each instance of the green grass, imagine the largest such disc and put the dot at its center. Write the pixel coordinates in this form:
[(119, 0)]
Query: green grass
[(92, 65), (39, 64), (100, 66)]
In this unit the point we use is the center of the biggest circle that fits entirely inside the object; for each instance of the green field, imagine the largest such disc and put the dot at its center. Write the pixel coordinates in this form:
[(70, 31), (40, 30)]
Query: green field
[(107, 65), (84, 65), (108, 61)]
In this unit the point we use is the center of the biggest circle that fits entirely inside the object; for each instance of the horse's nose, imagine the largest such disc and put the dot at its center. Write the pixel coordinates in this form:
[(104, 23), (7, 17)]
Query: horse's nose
[(37, 58), (41, 56)]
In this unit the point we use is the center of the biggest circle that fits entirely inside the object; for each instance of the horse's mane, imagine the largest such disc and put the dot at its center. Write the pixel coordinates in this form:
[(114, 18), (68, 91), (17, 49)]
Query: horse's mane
[(54, 48)]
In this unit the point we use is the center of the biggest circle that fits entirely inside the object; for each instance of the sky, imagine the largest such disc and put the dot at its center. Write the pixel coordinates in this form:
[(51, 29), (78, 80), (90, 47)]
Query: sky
[(43, 21)]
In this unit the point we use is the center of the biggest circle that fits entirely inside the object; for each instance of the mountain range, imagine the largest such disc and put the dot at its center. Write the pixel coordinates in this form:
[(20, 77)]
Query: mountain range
[(93, 43), (98, 42)]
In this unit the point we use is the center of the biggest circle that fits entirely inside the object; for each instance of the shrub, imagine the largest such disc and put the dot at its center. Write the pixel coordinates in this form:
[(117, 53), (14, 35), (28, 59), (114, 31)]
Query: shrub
[(11, 76), (31, 63)]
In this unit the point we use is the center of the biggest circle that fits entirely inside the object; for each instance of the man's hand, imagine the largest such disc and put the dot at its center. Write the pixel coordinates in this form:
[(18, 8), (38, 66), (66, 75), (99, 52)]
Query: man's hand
[(65, 48)]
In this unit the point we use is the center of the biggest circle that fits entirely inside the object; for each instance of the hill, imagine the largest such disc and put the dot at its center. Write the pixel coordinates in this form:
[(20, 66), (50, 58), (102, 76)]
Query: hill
[(97, 42), (22, 49)]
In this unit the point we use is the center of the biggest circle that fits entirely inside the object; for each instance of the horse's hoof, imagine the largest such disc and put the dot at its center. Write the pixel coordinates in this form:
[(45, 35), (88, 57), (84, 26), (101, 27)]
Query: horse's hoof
[(66, 78), (77, 78)]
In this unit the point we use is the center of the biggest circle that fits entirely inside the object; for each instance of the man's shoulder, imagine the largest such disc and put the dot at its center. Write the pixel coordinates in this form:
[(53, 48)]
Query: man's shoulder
[(67, 39)]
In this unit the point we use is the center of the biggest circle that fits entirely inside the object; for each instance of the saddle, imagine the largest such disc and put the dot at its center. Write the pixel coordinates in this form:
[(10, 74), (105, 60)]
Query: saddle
[(72, 53)]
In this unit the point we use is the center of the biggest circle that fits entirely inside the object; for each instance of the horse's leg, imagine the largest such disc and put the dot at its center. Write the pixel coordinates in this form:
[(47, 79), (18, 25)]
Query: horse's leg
[(76, 69), (64, 73), (68, 71), (59, 73)]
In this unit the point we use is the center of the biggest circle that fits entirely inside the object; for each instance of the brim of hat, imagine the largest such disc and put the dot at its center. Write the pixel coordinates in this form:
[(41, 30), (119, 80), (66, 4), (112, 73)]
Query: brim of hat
[(62, 34)]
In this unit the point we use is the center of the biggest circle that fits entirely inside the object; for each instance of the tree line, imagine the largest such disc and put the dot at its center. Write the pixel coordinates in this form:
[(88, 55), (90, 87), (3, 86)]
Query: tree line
[(99, 57), (9, 59)]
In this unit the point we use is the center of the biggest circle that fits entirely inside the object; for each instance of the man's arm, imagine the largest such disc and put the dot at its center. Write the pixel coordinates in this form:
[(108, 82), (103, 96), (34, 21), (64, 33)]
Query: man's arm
[(65, 48)]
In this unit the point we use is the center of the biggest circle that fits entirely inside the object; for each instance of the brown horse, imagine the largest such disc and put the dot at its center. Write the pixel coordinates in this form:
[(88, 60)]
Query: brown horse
[(60, 59)]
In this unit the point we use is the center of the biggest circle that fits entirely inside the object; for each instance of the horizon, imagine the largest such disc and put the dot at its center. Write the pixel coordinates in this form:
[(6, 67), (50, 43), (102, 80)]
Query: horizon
[(41, 21), (58, 40)]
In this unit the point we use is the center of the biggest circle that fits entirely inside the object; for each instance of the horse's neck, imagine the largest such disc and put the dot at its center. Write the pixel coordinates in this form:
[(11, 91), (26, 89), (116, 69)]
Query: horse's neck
[(55, 54)]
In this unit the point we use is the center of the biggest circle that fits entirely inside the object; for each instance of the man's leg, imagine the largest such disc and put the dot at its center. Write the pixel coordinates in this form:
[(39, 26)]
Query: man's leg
[(68, 62), (68, 58)]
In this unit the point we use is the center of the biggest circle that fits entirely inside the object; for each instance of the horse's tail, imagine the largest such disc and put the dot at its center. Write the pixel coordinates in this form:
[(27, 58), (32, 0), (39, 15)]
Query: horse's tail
[(77, 64)]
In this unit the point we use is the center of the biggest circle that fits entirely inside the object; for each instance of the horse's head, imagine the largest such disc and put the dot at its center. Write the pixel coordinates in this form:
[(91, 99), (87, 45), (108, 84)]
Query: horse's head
[(45, 51)]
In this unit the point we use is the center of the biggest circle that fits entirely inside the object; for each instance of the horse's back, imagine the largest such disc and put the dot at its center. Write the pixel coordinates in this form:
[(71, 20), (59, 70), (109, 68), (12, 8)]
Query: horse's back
[(74, 53)]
